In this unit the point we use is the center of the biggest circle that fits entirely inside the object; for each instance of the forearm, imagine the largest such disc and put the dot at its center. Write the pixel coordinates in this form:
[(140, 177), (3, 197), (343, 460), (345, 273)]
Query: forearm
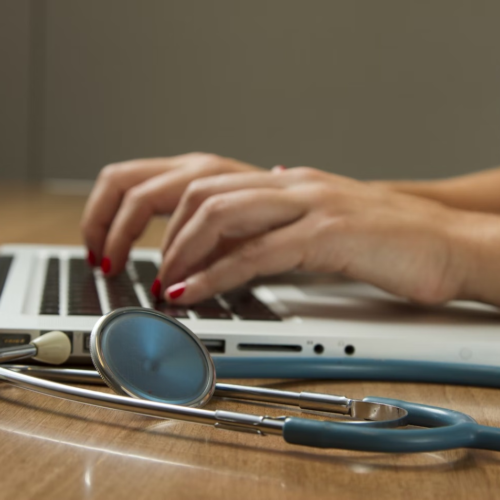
[(478, 192)]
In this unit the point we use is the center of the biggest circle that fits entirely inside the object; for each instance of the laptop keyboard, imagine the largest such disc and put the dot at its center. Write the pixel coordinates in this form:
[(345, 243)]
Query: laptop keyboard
[(83, 296)]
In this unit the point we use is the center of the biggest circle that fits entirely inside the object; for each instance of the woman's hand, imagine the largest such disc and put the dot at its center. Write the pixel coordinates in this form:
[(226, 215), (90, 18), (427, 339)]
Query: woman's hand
[(126, 195), (229, 229)]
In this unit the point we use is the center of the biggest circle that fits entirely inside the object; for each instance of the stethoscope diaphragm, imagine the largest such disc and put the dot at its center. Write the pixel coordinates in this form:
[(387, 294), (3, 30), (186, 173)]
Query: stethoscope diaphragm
[(144, 354)]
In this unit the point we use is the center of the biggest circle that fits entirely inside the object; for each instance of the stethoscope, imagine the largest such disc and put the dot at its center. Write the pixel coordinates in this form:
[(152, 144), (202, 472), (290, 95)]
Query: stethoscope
[(160, 368)]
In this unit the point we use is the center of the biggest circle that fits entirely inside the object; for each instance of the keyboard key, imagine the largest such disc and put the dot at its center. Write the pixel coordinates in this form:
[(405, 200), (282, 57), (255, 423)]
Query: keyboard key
[(5, 263), (146, 272), (50, 297), (210, 309), (83, 299), (171, 310), (121, 292), (248, 307)]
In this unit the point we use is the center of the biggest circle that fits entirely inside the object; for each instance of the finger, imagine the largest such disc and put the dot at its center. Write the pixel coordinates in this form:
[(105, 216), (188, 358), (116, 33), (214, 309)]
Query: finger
[(240, 214), (158, 195), (272, 253), (202, 189), (107, 195)]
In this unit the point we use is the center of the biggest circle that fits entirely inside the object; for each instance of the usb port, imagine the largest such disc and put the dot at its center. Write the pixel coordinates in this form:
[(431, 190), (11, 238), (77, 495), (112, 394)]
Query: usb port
[(214, 346)]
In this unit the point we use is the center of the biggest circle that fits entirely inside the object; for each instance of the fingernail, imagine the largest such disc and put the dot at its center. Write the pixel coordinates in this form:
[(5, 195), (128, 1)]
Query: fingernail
[(106, 265), (278, 168), (176, 290), (156, 288), (91, 258)]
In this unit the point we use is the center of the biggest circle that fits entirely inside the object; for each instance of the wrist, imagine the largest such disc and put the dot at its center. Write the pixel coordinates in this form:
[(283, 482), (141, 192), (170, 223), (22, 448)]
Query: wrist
[(433, 190), (478, 242)]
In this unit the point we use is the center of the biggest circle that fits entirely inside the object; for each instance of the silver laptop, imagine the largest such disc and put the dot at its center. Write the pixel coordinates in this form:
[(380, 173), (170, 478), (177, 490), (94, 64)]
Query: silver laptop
[(293, 316)]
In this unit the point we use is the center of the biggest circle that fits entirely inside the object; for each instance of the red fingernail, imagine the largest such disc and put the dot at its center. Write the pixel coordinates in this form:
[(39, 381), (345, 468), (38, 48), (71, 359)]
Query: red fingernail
[(156, 288), (176, 290), (278, 168), (91, 258), (106, 265)]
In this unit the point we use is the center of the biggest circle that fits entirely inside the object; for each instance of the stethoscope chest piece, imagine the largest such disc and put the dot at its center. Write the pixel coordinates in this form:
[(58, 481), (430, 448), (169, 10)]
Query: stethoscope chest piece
[(143, 354)]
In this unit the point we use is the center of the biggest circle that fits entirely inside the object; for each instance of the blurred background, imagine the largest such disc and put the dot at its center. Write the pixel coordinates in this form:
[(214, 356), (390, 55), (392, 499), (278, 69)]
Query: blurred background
[(365, 88)]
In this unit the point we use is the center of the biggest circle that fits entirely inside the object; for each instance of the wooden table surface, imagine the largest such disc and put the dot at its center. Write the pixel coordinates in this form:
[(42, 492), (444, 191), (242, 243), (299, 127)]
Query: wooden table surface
[(53, 448)]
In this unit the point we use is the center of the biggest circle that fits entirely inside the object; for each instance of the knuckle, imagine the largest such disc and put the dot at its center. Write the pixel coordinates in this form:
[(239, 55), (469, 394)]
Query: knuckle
[(328, 226), (325, 193), (318, 193), (209, 163), (214, 208), (111, 172), (196, 192), (252, 251), (134, 197), (208, 281), (307, 173)]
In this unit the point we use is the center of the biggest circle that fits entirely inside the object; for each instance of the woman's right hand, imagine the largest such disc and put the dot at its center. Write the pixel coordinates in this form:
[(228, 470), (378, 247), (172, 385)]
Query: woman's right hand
[(127, 195), (230, 229)]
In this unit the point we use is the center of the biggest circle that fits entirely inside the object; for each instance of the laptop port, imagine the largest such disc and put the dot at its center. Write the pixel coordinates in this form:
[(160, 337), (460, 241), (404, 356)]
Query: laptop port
[(349, 350), (86, 342), (270, 347), (14, 339), (214, 346), (319, 349)]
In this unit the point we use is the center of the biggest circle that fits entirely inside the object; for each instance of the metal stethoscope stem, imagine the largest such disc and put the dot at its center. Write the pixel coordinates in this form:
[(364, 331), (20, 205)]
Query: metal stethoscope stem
[(140, 406), (15, 353), (375, 413)]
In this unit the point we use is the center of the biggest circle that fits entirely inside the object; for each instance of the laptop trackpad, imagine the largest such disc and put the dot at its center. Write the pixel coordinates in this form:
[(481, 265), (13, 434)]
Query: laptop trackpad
[(335, 297)]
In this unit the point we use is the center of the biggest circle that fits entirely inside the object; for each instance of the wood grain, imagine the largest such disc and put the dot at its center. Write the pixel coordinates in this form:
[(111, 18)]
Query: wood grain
[(53, 448)]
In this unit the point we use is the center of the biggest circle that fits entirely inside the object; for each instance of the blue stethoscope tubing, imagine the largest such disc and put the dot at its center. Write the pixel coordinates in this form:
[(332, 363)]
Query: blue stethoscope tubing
[(358, 369), (445, 430)]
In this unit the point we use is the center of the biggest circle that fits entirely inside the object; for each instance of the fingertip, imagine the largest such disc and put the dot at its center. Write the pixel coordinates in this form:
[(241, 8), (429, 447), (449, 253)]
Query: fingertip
[(173, 292), (91, 258), (278, 168), (156, 288), (106, 265)]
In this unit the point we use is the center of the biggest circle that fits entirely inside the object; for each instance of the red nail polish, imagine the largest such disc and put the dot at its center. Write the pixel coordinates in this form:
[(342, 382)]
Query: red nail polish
[(278, 168), (156, 288), (106, 265), (176, 290), (91, 258)]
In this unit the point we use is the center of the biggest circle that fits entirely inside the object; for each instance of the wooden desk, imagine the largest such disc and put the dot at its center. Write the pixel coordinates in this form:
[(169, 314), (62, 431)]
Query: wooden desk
[(56, 449)]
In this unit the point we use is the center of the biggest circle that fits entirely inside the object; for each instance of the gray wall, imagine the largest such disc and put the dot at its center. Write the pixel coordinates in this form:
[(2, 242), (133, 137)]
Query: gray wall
[(371, 89), (14, 88)]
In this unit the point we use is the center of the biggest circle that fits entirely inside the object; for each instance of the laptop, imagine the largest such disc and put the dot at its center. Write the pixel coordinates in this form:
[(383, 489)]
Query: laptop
[(294, 317)]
